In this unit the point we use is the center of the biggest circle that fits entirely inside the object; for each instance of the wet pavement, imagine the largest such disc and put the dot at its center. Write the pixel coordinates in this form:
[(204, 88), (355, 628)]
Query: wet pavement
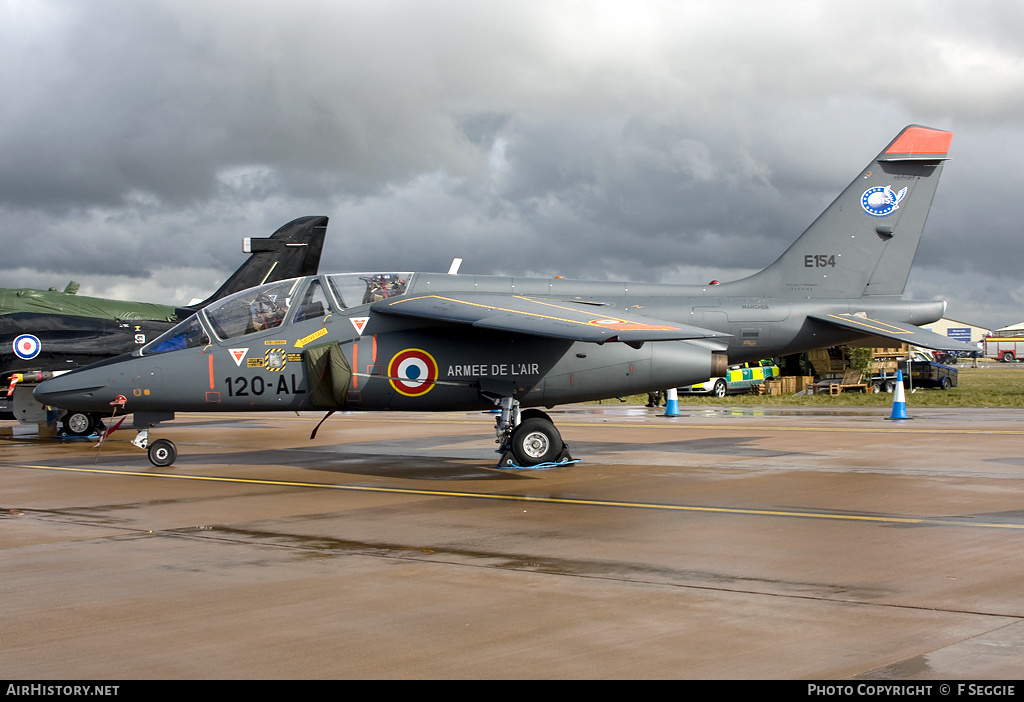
[(723, 543)]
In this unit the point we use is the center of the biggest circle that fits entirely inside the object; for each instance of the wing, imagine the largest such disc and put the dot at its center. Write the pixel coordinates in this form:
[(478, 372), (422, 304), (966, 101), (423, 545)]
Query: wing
[(561, 319), (900, 331)]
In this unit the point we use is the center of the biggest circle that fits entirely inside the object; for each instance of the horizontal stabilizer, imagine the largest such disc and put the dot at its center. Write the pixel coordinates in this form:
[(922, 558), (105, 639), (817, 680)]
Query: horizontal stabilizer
[(539, 317), (899, 331)]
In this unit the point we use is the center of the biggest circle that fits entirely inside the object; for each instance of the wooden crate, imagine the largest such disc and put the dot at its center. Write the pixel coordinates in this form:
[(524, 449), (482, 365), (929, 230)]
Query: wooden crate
[(890, 351), (787, 384), (793, 384), (886, 366)]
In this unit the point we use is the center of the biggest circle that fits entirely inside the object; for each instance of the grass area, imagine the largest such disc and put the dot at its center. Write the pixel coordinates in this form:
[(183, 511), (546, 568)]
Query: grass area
[(999, 385)]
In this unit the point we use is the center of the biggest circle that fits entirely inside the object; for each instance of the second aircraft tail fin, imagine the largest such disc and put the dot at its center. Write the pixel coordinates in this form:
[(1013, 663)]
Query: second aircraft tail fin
[(290, 252)]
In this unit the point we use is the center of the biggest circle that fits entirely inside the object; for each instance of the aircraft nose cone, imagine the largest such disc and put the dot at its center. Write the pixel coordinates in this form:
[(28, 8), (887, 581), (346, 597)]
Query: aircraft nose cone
[(76, 390)]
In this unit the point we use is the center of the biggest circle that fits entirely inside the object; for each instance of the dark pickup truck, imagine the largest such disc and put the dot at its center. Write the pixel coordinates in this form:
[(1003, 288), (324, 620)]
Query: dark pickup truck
[(919, 372), (924, 373)]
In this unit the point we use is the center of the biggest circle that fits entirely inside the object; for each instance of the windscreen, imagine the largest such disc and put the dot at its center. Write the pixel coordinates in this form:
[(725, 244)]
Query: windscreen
[(186, 335), (252, 310)]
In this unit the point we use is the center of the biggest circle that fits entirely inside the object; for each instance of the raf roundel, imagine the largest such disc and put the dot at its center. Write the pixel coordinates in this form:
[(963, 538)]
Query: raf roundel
[(27, 347), (412, 372)]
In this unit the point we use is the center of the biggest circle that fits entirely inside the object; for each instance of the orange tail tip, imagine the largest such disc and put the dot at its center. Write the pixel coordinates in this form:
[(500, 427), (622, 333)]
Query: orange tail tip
[(919, 141)]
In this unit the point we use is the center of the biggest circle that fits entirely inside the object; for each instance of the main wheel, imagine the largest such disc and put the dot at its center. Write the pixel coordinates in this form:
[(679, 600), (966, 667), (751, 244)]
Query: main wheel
[(536, 441), (162, 453), (720, 388), (945, 383), (1007, 357), (79, 424)]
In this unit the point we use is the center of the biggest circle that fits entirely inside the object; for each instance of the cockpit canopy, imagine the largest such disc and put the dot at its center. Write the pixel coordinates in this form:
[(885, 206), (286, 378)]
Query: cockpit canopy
[(287, 301), (354, 289)]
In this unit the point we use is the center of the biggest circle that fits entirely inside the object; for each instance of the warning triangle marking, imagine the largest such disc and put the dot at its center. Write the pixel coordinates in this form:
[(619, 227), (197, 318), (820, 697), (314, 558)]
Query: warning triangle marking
[(238, 355), (359, 323)]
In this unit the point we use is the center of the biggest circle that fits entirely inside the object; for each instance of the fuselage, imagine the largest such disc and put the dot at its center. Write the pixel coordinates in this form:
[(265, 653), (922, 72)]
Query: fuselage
[(387, 361)]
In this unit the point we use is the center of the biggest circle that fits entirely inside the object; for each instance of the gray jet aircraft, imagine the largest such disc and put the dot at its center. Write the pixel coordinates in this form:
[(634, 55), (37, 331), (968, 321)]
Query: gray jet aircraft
[(438, 342)]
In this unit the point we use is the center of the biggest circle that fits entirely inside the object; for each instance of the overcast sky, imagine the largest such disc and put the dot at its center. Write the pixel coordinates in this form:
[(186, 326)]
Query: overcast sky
[(141, 140)]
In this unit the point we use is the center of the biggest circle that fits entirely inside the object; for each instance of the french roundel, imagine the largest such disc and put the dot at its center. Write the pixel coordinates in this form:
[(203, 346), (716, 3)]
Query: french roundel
[(412, 372), (27, 346)]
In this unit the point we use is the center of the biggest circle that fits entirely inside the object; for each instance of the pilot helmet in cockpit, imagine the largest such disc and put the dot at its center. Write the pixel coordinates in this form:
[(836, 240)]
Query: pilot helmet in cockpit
[(267, 311)]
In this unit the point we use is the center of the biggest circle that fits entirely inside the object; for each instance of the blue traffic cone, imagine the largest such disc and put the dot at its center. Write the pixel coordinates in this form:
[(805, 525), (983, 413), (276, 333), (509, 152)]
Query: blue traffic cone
[(899, 401), (671, 403)]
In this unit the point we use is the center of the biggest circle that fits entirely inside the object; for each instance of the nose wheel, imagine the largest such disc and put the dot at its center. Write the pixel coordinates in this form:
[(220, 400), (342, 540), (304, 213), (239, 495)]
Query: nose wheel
[(162, 452)]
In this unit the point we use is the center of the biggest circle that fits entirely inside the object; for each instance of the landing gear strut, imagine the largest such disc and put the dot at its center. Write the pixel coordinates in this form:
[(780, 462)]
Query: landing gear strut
[(528, 437)]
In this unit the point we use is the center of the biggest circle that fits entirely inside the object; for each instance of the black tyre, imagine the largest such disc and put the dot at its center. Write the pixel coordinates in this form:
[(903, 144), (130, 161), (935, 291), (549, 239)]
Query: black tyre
[(720, 388), (79, 424), (1007, 357), (536, 441), (533, 413), (945, 383), (162, 453)]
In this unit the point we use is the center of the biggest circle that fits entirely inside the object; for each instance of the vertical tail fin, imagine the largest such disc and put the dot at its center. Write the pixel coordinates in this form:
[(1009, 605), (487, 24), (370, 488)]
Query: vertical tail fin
[(290, 252), (865, 242)]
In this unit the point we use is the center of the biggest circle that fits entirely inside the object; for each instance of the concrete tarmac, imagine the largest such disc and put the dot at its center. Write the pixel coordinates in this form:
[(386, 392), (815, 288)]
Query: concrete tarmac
[(743, 543)]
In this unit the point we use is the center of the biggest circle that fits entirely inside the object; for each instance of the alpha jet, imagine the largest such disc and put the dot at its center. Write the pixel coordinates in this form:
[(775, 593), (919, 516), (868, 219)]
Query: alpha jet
[(435, 342), (43, 332)]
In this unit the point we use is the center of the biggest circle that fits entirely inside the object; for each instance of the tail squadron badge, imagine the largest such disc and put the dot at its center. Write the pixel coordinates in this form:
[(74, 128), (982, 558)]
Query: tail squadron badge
[(882, 201)]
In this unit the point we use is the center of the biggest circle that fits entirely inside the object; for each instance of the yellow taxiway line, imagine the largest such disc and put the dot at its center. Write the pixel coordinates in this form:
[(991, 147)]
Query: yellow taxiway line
[(382, 417), (924, 521)]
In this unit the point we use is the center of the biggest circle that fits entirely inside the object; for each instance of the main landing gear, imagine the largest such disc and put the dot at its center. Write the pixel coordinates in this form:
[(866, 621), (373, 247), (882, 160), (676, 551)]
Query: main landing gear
[(82, 423), (527, 437)]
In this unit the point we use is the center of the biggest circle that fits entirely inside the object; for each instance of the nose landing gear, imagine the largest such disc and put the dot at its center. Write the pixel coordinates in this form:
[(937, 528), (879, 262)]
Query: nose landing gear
[(161, 452)]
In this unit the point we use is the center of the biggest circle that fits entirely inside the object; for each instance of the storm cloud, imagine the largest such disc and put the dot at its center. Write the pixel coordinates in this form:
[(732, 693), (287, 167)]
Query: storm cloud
[(663, 141)]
